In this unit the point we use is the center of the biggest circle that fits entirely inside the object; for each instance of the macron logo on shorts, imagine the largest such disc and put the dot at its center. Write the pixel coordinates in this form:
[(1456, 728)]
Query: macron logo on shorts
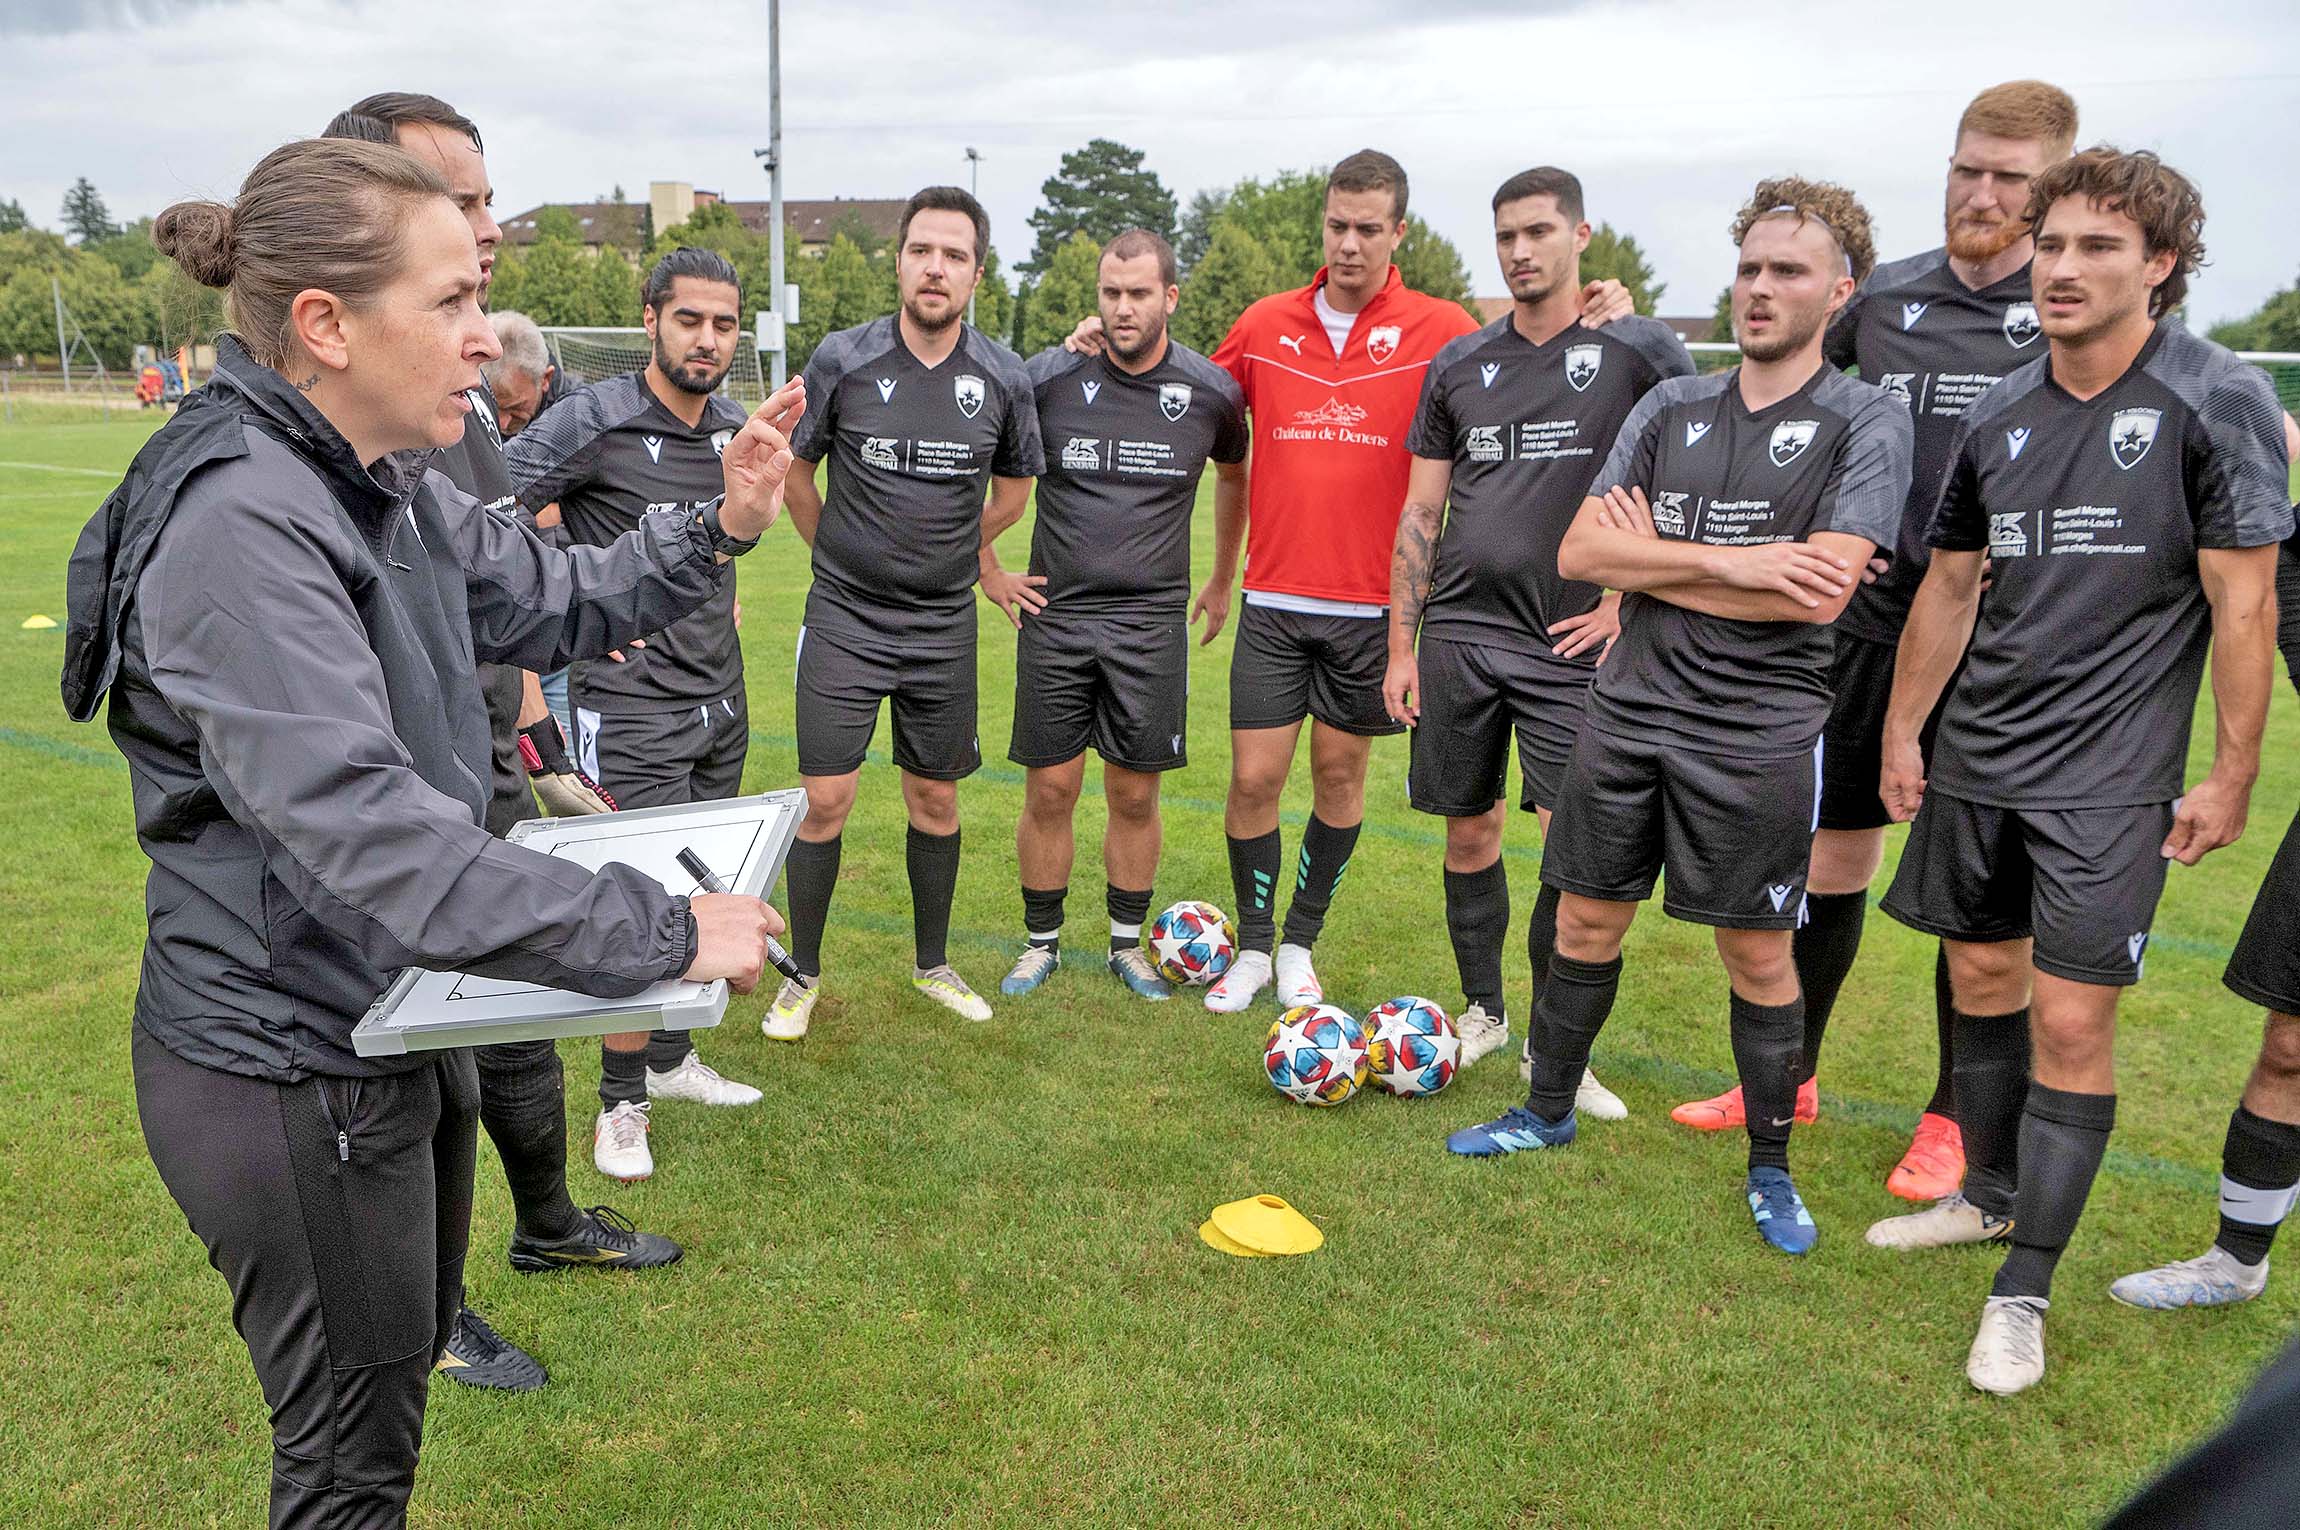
[(1779, 893), (2135, 945)]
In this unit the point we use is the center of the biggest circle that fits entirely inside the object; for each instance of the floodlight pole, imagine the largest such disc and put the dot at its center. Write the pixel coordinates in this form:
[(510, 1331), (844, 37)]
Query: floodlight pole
[(775, 179), (63, 350), (973, 175)]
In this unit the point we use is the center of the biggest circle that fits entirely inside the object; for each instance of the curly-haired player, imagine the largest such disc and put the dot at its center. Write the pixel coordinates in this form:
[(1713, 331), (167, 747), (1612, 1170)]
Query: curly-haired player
[(2129, 489), (1735, 513)]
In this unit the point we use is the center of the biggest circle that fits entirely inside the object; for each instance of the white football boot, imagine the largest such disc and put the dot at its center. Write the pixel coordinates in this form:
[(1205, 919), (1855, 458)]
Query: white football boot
[(1946, 1222), (794, 1006), (619, 1142), (1480, 1033), (2008, 1352), (697, 1081), (1235, 989), (2214, 1278), (1297, 980)]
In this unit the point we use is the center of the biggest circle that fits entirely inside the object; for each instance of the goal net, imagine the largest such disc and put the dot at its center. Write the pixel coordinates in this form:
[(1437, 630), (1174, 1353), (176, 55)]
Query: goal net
[(2282, 367), (587, 355)]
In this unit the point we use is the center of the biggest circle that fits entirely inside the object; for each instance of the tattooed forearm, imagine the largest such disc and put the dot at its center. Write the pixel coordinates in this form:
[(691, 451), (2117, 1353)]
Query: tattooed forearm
[(1411, 559)]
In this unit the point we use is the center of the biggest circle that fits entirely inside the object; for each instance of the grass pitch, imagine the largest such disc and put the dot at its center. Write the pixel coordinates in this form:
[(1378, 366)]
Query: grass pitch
[(949, 1274)]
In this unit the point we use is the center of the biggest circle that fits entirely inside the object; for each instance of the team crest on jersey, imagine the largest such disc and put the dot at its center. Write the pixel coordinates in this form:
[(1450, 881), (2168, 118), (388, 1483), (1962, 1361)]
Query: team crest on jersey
[(1090, 387), (1486, 373), (968, 389), (719, 440), (878, 452), (1790, 438), (1581, 365), (1695, 430), (1174, 400), (1483, 443), (2130, 434), (1900, 385), (1082, 452), (1669, 512), (2021, 324), (485, 414), (2008, 534), (1382, 342)]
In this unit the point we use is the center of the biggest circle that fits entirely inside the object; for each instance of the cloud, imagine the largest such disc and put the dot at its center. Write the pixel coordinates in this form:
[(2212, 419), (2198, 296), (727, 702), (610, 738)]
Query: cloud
[(55, 18)]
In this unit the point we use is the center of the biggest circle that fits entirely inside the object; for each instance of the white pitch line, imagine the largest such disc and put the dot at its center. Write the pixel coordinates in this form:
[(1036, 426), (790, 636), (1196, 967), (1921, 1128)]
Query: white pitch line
[(50, 467)]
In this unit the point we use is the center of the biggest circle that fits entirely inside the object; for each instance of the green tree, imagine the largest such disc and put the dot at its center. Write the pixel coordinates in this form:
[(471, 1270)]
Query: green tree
[(1100, 191), (1721, 325), (994, 304), (35, 248), (1428, 262), (2274, 326), (838, 289), (1235, 271), (96, 298), (614, 288), (857, 229), (1197, 228), (1286, 213), (1618, 256), (177, 310), (557, 223), (86, 217), (12, 219), (1062, 295), (130, 251)]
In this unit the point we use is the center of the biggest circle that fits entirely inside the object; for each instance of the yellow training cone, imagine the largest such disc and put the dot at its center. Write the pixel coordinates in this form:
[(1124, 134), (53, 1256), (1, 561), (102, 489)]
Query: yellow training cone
[(1215, 1240), (38, 623), (1267, 1225)]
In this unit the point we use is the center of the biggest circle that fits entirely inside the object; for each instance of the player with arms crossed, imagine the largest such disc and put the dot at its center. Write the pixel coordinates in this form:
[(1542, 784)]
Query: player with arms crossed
[(1934, 330), (917, 413), (1510, 420), (663, 719), (2129, 490), (1735, 509), (1103, 657)]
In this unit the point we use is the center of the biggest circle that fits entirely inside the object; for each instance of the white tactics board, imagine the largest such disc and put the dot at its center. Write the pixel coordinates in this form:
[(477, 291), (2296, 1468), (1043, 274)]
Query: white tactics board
[(743, 839)]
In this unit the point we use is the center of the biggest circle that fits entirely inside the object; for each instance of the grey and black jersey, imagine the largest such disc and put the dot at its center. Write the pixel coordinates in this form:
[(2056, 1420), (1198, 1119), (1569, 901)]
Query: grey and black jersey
[(608, 453), (1833, 456), (1935, 344), (912, 450), (1522, 425), (2080, 684), (1123, 457)]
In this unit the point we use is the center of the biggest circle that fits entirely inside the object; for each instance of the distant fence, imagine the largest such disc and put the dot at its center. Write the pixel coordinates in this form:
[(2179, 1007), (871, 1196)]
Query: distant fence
[(42, 398)]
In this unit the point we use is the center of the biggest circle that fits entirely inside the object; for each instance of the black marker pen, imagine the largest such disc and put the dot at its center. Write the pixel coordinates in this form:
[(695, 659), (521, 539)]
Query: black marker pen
[(708, 880)]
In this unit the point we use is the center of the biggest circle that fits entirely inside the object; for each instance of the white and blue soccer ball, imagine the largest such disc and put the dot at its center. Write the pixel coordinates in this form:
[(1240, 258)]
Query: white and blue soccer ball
[(1315, 1054), (1192, 943), (1411, 1047)]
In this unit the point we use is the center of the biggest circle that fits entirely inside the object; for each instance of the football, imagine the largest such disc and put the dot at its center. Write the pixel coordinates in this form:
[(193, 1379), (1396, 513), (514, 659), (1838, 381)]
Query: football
[(1316, 1054), (1192, 943), (1411, 1047)]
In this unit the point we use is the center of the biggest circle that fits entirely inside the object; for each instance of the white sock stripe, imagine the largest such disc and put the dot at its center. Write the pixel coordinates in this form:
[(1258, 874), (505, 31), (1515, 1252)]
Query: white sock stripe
[(2256, 1208), (1125, 931), (1041, 934)]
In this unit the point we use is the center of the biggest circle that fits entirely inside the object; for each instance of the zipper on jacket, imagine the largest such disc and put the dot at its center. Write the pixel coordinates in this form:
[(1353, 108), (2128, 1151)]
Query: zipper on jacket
[(343, 1127)]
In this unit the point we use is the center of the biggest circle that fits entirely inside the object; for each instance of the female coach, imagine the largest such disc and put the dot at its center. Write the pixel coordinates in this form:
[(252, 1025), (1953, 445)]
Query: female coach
[(286, 607)]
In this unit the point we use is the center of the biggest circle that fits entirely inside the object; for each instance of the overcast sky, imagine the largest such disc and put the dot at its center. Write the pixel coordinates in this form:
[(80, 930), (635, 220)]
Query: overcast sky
[(1668, 110)]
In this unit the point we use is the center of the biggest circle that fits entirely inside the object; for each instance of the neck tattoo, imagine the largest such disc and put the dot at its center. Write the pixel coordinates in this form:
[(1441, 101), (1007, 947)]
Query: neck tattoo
[(308, 383)]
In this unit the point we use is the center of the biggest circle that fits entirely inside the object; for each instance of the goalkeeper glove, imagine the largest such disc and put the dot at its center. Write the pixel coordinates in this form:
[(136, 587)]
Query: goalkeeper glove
[(564, 791)]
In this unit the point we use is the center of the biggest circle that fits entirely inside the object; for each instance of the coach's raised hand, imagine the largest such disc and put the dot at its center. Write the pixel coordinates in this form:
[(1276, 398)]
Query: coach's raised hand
[(757, 461)]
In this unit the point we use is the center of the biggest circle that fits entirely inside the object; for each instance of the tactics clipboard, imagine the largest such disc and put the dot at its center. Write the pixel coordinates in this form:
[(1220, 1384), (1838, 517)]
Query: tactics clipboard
[(743, 839)]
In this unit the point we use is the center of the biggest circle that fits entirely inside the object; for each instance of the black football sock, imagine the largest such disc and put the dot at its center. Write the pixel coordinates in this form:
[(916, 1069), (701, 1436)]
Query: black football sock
[(2062, 1137), (1477, 917), (2259, 1176), (1766, 1043), (1823, 949), (1541, 937), (932, 860), (1573, 1007), (1254, 881), (1944, 1100), (810, 876), (667, 1049), (523, 1105), (1042, 916), (622, 1077), (1992, 1086), (1127, 911), (1325, 856)]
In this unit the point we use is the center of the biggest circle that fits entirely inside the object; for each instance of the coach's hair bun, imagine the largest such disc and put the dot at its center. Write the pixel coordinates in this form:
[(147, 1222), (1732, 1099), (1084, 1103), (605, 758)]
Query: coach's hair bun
[(198, 237)]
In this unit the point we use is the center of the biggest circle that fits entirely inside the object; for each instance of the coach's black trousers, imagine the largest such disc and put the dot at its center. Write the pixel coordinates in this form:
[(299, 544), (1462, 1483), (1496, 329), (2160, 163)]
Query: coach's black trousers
[(344, 1255)]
